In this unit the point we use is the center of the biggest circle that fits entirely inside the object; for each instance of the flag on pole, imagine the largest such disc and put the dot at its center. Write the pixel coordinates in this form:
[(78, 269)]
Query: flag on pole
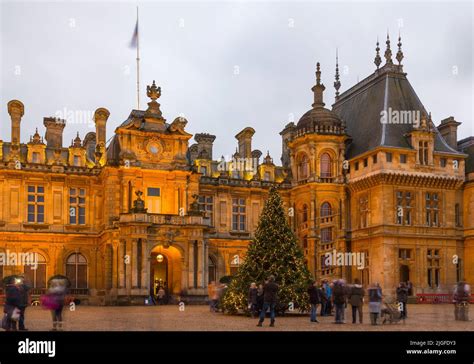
[(134, 41)]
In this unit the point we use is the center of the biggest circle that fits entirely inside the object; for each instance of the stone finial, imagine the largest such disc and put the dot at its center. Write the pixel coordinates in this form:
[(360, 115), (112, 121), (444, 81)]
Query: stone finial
[(318, 89), (378, 59), (388, 51), (400, 52), (337, 83)]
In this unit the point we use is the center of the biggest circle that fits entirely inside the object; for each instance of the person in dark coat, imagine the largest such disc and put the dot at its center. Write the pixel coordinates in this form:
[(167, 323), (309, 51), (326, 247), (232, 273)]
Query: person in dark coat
[(461, 296), (270, 292), (402, 298), (260, 298), (252, 299), (375, 302), (324, 300), (314, 299), (356, 299), (12, 302), (339, 297), (24, 291)]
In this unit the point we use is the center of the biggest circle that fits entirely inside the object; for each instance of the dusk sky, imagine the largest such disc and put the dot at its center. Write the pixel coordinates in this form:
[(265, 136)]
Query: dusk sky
[(223, 66)]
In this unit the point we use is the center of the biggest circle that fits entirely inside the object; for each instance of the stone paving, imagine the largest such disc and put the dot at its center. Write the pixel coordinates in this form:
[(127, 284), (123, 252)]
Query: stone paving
[(198, 318)]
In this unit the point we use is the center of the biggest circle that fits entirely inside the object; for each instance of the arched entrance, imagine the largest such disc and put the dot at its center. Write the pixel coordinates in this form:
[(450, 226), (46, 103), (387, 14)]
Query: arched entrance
[(165, 270), (404, 273)]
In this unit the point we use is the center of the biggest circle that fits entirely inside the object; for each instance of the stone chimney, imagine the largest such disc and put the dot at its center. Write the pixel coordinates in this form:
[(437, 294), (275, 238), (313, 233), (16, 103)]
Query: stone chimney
[(245, 142), (204, 145), (449, 130), (16, 109), (287, 135), (54, 131), (100, 117)]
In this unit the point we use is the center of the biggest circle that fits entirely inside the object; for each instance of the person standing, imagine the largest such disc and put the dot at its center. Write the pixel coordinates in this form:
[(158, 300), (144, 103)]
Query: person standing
[(54, 299), (375, 302), (339, 297), (259, 298), (24, 290), (330, 299), (270, 291), (212, 293), (324, 300), (356, 299), (462, 294), (252, 299), (402, 298), (12, 303), (314, 299)]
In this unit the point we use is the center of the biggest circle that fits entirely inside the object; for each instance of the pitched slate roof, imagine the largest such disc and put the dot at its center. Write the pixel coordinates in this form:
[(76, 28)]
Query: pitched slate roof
[(360, 108)]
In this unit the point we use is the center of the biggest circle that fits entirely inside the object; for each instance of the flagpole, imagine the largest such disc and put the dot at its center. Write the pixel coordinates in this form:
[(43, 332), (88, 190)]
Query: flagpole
[(138, 64)]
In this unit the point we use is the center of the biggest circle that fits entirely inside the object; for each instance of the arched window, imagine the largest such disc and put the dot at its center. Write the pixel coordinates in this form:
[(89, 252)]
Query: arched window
[(325, 166), (76, 270), (326, 210), (212, 268), (36, 275), (305, 213), (303, 167)]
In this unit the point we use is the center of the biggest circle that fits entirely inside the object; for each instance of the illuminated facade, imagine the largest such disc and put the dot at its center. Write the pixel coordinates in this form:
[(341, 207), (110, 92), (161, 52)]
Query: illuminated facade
[(149, 209)]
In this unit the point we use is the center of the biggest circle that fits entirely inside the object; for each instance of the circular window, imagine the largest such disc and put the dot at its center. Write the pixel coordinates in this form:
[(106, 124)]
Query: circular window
[(160, 258)]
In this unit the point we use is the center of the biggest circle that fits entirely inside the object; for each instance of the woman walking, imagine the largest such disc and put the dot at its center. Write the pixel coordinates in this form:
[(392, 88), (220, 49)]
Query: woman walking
[(375, 302), (54, 299)]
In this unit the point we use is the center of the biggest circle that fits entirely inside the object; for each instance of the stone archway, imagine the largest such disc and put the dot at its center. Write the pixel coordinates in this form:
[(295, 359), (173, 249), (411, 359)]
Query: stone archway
[(166, 263)]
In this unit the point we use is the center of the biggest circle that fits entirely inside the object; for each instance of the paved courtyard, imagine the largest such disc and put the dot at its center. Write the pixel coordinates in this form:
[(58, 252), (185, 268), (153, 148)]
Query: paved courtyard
[(198, 318)]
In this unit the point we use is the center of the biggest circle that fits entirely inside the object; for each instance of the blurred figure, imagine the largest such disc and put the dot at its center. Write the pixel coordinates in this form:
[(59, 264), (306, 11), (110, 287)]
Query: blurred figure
[(12, 303), (161, 296), (356, 299), (270, 292), (375, 302), (410, 288), (461, 296), (324, 300), (314, 299), (213, 296), (339, 298), (330, 299), (24, 291), (260, 298), (402, 298), (252, 299), (53, 300)]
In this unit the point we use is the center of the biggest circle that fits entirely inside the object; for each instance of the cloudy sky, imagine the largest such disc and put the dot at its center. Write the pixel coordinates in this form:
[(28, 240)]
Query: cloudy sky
[(223, 66)]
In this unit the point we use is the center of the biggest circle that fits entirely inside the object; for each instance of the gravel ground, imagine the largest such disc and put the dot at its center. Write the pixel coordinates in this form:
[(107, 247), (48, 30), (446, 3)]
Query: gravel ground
[(198, 318)]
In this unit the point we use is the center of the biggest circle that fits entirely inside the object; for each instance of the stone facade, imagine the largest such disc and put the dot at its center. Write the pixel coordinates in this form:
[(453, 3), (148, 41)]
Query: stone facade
[(149, 209)]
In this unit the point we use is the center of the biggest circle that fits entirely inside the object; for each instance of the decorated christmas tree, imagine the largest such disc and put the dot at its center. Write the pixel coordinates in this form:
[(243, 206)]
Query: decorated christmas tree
[(274, 251)]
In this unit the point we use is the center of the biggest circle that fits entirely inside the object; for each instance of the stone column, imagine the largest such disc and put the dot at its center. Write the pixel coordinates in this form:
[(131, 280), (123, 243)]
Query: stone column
[(120, 263), (134, 265), (145, 267), (205, 277), (114, 266), (129, 266), (200, 262)]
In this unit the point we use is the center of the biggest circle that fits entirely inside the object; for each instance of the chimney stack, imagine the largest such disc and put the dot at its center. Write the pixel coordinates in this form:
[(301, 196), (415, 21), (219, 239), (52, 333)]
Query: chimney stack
[(16, 109), (245, 142), (449, 131), (54, 132), (100, 117), (204, 145)]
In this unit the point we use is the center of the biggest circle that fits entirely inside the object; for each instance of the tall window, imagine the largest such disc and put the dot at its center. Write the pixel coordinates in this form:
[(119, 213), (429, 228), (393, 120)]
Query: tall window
[(434, 269), (77, 206), (325, 166), (238, 214), (457, 215), (206, 205), (76, 270), (432, 209), (303, 167), (212, 269), (404, 208), (36, 277), (153, 200), (305, 213), (326, 211), (363, 211), (326, 235), (36, 204), (77, 161), (423, 152)]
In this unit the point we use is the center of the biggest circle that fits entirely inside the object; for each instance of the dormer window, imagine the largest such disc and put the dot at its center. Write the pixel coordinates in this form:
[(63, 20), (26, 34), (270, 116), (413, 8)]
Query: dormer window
[(303, 167), (77, 161), (325, 165), (423, 152), (35, 157)]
